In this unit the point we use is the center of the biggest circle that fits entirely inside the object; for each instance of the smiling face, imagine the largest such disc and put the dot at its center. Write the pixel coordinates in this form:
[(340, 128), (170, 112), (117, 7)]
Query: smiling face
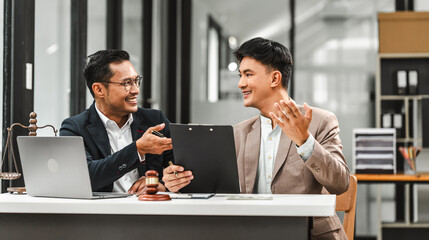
[(255, 83), (113, 100)]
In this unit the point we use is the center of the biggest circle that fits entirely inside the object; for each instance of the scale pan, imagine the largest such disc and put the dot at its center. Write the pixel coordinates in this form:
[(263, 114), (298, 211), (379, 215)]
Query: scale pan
[(9, 175)]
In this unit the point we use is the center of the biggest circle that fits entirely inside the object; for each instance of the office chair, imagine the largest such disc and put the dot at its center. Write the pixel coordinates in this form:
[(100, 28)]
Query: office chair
[(346, 203)]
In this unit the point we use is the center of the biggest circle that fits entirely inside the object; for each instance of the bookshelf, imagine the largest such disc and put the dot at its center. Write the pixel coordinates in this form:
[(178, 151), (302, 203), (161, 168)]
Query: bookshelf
[(402, 91), (412, 108), (404, 59)]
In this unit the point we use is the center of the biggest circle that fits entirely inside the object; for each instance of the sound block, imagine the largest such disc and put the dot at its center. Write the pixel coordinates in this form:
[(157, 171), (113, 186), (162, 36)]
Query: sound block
[(19, 190), (154, 197)]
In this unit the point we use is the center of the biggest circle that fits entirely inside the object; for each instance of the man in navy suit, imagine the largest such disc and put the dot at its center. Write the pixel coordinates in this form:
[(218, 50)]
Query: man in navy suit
[(116, 132)]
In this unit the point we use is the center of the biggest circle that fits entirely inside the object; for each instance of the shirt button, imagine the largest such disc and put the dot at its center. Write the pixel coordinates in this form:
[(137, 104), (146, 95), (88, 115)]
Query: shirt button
[(302, 154), (268, 121), (269, 157), (269, 176), (271, 138)]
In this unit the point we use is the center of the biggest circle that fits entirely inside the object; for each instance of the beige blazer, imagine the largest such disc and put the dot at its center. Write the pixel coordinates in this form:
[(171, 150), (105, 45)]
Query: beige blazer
[(326, 168)]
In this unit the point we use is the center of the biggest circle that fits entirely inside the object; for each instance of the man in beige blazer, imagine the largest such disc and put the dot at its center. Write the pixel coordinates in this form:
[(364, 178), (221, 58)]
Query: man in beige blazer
[(287, 148)]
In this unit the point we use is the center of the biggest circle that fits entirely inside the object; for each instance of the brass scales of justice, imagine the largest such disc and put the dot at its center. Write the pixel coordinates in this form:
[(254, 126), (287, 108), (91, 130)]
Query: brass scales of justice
[(11, 174)]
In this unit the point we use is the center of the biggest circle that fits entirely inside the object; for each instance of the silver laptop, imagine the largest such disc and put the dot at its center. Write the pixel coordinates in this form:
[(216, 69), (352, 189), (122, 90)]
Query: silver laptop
[(57, 167)]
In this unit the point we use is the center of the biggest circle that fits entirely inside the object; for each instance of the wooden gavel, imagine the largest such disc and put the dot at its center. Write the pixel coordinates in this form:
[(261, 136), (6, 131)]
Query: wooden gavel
[(151, 188)]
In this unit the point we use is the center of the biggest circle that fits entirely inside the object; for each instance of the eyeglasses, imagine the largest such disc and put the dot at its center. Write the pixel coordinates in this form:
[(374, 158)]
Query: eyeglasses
[(128, 83)]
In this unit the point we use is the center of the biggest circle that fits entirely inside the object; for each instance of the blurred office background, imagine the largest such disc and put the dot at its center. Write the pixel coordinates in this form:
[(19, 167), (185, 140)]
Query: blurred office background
[(184, 51)]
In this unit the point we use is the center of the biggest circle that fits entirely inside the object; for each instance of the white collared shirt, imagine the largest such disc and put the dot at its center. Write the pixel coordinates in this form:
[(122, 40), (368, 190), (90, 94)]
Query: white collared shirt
[(118, 139), (270, 140)]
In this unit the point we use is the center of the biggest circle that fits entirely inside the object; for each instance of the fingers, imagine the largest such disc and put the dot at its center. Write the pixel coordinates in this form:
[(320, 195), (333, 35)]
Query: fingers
[(158, 127), (137, 186), (149, 143), (173, 168), (308, 112), (174, 183), (133, 188), (290, 108), (282, 115), (276, 119), (163, 143), (178, 187), (171, 171)]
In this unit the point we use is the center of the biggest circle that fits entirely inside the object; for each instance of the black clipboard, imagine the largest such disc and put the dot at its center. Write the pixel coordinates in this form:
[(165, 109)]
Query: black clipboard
[(209, 152)]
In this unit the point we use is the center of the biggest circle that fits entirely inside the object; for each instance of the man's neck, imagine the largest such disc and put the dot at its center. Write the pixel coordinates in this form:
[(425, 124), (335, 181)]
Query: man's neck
[(268, 105), (120, 120)]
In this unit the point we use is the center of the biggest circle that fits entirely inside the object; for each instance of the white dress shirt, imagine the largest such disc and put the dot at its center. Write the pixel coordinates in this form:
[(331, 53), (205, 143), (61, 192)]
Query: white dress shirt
[(270, 139), (118, 139)]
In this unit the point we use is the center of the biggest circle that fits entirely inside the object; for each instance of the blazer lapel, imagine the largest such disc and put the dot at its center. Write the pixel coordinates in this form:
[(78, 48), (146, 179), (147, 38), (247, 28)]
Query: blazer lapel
[(284, 149), (98, 131), (251, 156), (137, 127), (282, 153)]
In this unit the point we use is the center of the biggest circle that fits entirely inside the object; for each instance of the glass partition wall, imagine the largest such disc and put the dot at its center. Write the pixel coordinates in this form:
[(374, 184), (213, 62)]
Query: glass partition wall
[(52, 62)]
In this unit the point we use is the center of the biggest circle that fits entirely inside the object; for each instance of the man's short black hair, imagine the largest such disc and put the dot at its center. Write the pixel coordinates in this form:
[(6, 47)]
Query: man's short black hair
[(270, 53), (97, 67)]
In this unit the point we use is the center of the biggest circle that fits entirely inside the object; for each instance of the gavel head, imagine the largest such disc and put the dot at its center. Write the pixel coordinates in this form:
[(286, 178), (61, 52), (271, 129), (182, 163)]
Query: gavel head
[(152, 178)]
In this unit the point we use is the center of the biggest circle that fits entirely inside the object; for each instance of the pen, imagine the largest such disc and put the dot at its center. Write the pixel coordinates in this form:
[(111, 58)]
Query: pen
[(154, 132), (175, 172)]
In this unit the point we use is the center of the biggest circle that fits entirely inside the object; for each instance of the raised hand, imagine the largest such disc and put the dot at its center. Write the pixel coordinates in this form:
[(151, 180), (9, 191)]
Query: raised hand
[(292, 122)]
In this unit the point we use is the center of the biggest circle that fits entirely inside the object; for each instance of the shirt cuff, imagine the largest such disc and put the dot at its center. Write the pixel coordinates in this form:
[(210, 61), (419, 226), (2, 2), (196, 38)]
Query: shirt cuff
[(306, 149), (142, 159)]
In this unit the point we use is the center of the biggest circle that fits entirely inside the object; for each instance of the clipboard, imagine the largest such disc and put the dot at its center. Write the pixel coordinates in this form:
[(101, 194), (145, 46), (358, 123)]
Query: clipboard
[(209, 152)]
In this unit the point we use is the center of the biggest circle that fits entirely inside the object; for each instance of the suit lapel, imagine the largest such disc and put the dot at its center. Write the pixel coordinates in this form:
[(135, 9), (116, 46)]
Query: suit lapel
[(282, 153), (252, 148), (98, 131), (284, 149), (137, 127)]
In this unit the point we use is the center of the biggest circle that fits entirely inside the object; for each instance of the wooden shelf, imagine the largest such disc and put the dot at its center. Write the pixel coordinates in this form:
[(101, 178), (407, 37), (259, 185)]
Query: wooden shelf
[(418, 177), (404, 55), (403, 97), (405, 225)]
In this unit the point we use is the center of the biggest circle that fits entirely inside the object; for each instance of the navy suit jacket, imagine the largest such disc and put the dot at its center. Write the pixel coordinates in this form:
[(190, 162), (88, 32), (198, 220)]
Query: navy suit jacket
[(104, 167)]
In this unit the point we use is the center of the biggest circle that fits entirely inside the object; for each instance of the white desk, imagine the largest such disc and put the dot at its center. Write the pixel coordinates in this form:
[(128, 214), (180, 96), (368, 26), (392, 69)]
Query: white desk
[(22, 216)]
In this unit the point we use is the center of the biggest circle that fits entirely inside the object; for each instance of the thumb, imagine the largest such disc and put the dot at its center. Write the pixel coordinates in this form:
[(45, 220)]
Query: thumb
[(158, 127), (308, 112)]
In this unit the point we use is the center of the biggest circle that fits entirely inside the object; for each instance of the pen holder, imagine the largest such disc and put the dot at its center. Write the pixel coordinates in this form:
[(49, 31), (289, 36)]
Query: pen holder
[(409, 170), (409, 155)]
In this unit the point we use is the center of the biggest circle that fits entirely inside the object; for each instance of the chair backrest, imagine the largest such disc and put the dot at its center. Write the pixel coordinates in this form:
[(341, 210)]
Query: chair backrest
[(346, 202)]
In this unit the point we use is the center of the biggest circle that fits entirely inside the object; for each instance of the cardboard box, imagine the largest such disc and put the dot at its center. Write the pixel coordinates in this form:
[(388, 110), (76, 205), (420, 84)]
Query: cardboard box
[(404, 32)]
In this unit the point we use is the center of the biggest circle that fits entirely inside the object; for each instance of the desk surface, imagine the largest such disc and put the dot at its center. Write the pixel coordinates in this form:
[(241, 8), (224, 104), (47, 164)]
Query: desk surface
[(390, 178), (281, 205)]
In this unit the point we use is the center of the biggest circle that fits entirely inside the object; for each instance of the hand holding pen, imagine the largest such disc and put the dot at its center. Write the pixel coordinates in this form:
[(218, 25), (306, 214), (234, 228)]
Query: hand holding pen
[(153, 141), (175, 177)]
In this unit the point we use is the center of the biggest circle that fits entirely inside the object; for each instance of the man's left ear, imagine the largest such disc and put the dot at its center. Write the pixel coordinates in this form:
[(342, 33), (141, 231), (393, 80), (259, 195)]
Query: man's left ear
[(276, 79)]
